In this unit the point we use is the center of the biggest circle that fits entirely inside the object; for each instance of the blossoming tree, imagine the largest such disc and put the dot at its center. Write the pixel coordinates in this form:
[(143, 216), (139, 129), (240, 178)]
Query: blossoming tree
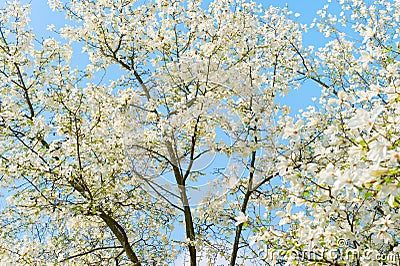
[(106, 171), (345, 181)]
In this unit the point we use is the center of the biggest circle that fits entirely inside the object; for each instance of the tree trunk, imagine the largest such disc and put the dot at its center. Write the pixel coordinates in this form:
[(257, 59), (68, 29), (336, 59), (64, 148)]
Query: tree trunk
[(190, 234), (119, 232)]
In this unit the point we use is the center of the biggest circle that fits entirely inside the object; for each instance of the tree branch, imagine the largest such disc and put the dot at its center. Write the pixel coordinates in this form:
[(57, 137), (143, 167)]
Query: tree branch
[(88, 252)]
